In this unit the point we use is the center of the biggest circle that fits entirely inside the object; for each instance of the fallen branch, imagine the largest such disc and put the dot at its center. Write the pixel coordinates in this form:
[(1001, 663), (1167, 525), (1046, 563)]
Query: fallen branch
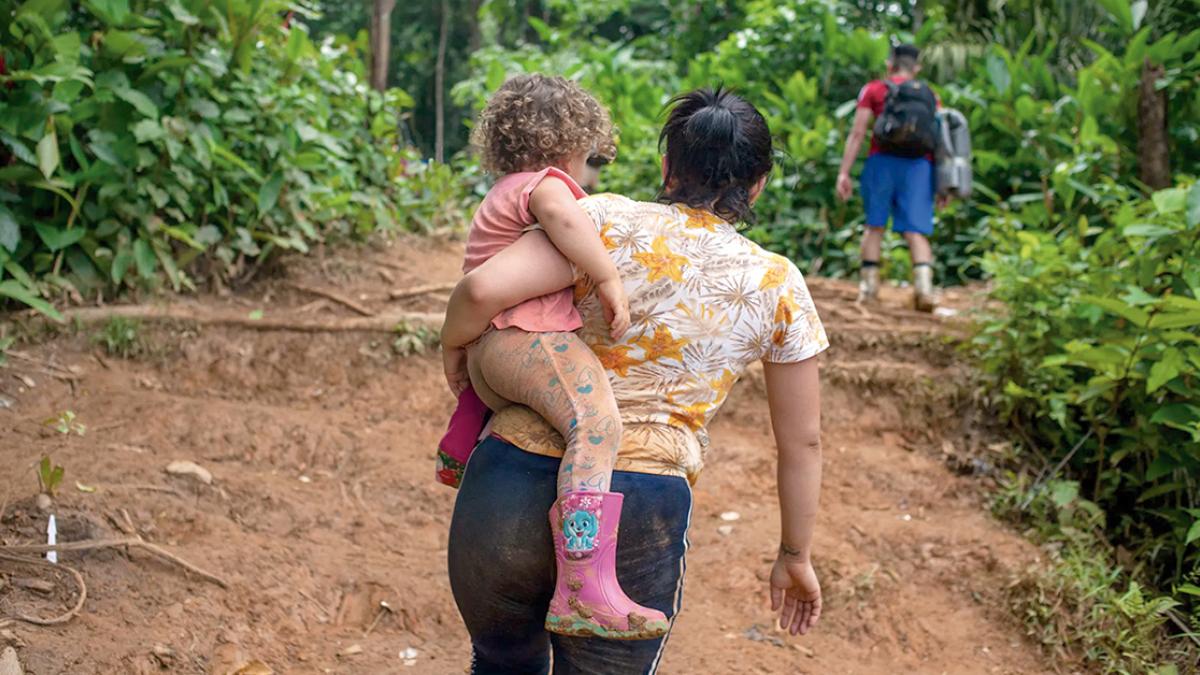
[(336, 297), (62, 618), (402, 293), (383, 323), (135, 542)]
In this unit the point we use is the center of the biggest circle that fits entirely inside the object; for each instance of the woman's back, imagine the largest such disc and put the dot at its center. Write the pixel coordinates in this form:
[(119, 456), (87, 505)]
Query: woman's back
[(705, 303)]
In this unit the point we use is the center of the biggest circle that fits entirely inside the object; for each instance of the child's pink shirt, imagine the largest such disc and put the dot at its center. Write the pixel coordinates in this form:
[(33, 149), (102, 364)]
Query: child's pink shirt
[(503, 217)]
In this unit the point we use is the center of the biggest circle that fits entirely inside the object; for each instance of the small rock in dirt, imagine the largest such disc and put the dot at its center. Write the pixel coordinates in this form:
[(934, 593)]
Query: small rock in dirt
[(409, 656), (163, 654), (927, 551), (757, 634), (730, 516), (190, 469), (305, 479), (9, 663), (43, 502), (254, 667), (725, 530), (6, 403), (26, 380), (807, 651), (8, 637), (352, 650)]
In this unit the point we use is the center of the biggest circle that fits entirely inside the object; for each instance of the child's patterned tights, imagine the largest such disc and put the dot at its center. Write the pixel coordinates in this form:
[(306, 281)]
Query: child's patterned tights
[(559, 377)]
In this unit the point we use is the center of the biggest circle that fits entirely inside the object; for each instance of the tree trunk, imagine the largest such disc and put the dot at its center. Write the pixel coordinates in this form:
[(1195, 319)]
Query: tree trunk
[(380, 31), (439, 83), (1154, 163), (474, 37)]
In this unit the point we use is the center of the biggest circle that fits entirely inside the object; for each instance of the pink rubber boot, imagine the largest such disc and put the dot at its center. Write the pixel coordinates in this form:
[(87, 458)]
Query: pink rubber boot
[(588, 601)]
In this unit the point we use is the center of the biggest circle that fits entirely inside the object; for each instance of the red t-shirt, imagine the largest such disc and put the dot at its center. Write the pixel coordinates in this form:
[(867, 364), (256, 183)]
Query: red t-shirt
[(873, 96)]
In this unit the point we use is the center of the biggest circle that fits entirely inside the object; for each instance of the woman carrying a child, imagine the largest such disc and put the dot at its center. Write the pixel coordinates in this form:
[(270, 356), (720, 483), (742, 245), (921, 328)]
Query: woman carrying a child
[(606, 333)]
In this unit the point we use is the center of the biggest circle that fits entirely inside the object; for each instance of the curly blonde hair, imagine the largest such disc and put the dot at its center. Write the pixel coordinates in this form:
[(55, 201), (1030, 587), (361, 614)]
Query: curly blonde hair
[(535, 121)]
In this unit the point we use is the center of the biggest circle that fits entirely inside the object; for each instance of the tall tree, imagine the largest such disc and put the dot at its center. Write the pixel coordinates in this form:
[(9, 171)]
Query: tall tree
[(1154, 164), (381, 41), (439, 83)]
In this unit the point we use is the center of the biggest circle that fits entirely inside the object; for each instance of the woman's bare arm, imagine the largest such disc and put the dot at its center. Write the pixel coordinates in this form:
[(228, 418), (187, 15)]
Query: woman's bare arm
[(794, 397)]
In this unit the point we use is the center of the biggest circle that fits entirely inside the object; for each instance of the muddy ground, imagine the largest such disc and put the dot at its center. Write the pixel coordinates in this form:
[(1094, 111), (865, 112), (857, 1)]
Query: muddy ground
[(322, 502)]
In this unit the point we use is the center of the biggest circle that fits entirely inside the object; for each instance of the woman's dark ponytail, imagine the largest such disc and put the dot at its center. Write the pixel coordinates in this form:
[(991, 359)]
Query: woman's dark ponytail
[(717, 147)]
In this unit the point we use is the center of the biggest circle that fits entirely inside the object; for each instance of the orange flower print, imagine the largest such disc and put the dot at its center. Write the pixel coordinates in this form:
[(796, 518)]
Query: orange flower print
[(609, 243), (779, 337), (661, 262), (662, 345), (690, 416), (786, 309), (776, 274), (724, 383), (616, 359)]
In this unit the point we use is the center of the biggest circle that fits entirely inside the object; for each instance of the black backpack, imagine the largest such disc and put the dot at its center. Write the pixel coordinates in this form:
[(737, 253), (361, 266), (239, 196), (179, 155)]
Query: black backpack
[(908, 126)]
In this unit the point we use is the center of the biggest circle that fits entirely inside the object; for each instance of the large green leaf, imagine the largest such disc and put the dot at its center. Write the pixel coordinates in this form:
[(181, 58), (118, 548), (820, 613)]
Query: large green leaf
[(1121, 11), (47, 151), (10, 231), (1134, 315), (56, 238), (1193, 533), (1165, 369), (997, 69), (143, 255), (1193, 203), (139, 101), (14, 290), (111, 12), (268, 194), (1171, 200)]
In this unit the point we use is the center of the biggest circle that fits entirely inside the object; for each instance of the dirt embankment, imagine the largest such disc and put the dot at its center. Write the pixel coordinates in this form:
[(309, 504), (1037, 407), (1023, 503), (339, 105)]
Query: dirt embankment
[(322, 505)]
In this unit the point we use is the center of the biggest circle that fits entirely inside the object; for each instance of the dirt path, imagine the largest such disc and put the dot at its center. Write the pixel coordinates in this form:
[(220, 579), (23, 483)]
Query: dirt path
[(323, 503)]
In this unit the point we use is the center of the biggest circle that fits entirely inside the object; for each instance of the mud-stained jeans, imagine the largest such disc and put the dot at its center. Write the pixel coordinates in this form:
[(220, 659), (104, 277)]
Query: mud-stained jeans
[(502, 564)]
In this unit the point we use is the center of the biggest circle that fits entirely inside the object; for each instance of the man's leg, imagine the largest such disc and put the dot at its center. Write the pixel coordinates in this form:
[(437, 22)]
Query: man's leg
[(914, 220), (877, 193)]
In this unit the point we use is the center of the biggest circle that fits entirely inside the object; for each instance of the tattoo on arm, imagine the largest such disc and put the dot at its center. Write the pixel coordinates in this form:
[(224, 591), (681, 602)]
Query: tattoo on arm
[(789, 552)]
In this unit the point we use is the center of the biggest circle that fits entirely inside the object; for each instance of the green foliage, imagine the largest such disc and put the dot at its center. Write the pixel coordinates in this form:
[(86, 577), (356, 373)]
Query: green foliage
[(413, 340), (135, 141), (65, 424), (1095, 359), (1044, 124), (121, 337), (1084, 609), (49, 476)]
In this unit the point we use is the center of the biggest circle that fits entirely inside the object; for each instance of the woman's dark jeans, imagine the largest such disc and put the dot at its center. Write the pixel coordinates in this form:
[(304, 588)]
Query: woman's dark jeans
[(502, 563)]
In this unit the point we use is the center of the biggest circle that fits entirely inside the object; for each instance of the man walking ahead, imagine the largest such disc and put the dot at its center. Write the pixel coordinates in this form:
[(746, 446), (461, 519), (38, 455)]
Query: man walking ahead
[(898, 178)]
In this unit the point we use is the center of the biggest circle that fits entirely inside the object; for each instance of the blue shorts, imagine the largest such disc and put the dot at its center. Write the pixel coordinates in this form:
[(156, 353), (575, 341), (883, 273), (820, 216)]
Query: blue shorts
[(900, 188), (501, 560)]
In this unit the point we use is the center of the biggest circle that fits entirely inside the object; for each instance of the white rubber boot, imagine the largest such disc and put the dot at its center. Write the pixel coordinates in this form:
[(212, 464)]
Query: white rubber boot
[(923, 296), (868, 284)]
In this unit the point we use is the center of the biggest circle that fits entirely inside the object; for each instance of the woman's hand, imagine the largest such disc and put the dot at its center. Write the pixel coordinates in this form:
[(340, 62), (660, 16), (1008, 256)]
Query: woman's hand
[(454, 364), (795, 594), (616, 306)]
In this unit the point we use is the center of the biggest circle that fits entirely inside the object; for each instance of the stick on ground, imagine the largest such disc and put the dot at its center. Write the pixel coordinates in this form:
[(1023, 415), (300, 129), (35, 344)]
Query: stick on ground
[(135, 542), (402, 293), (62, 618), (382, 323), (336, 297)]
